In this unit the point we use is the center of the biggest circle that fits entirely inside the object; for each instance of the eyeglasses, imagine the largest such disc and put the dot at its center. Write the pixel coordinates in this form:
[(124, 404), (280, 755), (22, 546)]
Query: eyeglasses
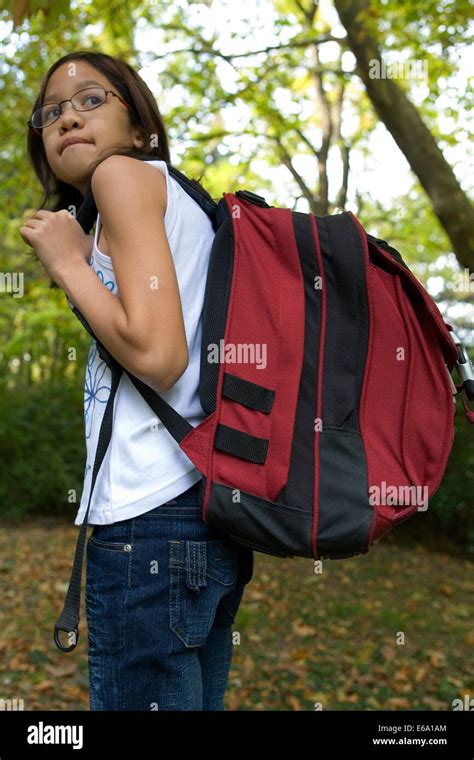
[(84, 100)]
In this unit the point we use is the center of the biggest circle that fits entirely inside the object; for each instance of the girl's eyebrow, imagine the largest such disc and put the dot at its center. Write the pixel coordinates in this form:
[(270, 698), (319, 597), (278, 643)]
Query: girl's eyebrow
[(54, 98)]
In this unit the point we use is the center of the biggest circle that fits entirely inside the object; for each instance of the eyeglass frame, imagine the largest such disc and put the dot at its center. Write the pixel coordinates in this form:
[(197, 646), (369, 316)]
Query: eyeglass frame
[(80, 110)]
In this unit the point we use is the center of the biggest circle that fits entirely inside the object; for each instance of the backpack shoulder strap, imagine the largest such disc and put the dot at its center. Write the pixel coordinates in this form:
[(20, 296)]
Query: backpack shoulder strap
[(87, 213), (197, 193)]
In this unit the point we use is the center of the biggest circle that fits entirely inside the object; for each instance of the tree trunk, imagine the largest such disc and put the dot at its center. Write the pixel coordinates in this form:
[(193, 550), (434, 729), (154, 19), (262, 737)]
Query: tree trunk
[(403, 121)]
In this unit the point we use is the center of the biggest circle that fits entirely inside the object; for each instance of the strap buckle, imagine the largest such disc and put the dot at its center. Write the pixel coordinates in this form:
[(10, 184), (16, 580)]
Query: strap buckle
[(74, 631), (464, 366)]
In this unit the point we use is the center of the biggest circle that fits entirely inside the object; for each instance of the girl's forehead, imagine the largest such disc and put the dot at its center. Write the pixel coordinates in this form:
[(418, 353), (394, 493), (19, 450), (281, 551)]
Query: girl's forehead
[(67, 77)]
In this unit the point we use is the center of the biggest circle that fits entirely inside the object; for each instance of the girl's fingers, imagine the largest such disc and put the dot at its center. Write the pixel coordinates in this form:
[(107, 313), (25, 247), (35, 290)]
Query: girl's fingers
[(42, 213), (31, 224), (23, 236)]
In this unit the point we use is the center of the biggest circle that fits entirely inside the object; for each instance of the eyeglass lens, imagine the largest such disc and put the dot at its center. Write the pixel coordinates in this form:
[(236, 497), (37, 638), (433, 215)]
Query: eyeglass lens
[(84, 100)]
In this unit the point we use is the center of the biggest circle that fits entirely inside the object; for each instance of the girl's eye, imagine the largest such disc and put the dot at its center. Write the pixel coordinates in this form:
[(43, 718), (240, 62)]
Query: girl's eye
[(91, 100), (51, 113)]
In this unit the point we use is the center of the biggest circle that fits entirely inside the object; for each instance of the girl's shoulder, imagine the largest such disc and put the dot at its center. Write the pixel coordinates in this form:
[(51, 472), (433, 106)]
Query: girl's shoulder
[(122, 181), (117, 171)]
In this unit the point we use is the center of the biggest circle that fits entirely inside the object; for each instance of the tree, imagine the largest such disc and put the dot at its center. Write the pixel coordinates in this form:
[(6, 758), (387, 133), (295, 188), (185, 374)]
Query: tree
[(404, 122)]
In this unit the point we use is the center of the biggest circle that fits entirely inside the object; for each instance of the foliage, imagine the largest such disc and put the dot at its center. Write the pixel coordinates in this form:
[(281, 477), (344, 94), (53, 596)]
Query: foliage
[(43, 451)]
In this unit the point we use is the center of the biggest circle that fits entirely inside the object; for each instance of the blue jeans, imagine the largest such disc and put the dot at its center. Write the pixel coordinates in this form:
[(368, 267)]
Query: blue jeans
[(162, 592)]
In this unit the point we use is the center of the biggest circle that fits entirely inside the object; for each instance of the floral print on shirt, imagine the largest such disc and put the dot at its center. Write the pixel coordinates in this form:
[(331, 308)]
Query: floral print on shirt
[(100, 275), (96, 387)]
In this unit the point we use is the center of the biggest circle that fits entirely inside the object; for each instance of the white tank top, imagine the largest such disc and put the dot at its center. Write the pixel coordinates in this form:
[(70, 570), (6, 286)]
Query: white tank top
[(144, 467)]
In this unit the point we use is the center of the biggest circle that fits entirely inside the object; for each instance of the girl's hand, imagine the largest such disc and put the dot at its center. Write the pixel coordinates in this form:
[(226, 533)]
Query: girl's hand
[(58, 240)]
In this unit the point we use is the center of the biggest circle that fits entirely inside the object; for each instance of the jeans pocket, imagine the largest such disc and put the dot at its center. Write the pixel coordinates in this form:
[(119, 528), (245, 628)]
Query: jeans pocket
[(109, 555), (201, 573), (112, 546)]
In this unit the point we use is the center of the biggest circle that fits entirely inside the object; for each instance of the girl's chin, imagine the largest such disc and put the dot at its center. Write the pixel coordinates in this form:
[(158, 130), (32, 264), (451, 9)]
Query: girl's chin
[(71, 149)]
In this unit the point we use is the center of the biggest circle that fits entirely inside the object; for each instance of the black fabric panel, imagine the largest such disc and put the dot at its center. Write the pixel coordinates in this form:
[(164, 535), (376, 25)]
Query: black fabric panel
[(299, 490), (215, 307), (344, 510), (259, 524), (345, 348), (386, 247), (247, 393)]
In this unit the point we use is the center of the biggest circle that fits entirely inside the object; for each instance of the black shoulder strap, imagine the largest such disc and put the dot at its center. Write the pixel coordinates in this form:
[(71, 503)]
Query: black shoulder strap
[(197, 193), (176, 425), (87, 213)]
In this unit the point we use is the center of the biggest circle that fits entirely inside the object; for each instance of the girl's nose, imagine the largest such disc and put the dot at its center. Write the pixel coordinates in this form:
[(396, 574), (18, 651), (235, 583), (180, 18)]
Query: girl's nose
[(68, 113)]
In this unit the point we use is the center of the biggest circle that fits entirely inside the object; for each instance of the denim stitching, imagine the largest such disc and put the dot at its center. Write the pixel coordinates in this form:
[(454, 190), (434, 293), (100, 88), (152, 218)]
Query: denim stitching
[(107, 546), (132, 539), (174, 600)]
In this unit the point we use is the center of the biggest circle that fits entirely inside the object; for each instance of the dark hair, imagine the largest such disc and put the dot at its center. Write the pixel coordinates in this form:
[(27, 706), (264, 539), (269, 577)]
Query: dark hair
[(145, 114)]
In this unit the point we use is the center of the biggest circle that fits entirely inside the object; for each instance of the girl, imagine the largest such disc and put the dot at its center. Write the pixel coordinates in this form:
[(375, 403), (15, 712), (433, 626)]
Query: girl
[(162, 588)]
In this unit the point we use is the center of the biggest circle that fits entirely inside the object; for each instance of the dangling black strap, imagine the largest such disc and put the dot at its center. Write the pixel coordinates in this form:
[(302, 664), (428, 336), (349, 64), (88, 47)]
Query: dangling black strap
[(68, 621)]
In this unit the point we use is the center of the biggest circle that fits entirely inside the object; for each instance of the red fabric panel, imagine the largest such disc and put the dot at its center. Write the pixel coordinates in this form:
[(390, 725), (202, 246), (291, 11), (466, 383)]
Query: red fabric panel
[(406, 415), (266, 308)]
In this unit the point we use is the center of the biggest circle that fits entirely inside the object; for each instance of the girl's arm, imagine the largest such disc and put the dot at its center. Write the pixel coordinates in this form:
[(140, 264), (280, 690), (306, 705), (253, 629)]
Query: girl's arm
[(105, 314), (144, 327)]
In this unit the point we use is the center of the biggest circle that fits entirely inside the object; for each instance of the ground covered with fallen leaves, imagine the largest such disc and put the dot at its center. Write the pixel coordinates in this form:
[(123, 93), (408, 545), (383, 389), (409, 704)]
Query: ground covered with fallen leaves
[(391, 630)]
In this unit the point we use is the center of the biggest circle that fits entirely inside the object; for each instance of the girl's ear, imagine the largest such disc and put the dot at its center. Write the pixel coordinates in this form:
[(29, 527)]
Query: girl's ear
[(138, 140)]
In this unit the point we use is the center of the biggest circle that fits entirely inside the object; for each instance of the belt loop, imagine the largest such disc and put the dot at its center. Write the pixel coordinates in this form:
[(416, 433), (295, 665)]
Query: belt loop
[(196, 564)]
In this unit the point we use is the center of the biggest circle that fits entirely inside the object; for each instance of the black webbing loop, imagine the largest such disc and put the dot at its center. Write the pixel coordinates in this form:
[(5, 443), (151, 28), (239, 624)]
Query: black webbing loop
[(241, 444), (247, 393)]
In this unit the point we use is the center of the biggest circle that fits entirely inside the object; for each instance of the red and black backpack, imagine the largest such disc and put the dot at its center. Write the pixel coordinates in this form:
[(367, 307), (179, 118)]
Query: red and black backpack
[(325, 378)]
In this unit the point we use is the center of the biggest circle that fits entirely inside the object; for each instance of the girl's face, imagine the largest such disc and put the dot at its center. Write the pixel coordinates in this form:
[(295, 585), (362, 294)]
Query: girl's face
[(104, 127)]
